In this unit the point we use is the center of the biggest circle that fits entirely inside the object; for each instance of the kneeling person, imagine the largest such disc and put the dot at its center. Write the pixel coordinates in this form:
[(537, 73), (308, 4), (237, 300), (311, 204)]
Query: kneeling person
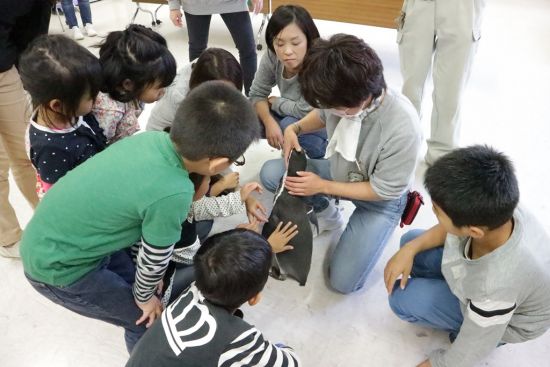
[(482, 272), (203, 327)]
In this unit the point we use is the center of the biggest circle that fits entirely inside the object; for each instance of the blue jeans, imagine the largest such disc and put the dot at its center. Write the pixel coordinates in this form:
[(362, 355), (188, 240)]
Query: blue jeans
[(427, 300), (240, 27), (70, 16), (103, 294), (366, 234), (314, 143)]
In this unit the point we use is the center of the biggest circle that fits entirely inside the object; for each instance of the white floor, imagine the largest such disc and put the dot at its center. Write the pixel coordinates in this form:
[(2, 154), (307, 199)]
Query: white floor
[(506, 106)]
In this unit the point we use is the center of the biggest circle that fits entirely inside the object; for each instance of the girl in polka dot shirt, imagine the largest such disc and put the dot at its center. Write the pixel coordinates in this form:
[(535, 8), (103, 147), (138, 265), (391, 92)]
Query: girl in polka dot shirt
[(63, 79)]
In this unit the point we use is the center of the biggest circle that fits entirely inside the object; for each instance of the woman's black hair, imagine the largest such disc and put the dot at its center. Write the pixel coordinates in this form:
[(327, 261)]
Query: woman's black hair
[(56, 67), (342, 71), (216, 64), (288, 14), (138, 54)]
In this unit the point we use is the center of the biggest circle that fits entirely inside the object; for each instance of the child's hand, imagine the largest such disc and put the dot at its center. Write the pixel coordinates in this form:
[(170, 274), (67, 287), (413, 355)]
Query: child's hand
[(400, 264), (426, 363), (281, 236), (230, 181), (255, 210), (152, 310), (248, 188), (254, 225)]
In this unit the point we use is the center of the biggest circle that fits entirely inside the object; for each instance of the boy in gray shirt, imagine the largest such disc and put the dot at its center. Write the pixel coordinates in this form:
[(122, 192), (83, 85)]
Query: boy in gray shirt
[(489, 282)]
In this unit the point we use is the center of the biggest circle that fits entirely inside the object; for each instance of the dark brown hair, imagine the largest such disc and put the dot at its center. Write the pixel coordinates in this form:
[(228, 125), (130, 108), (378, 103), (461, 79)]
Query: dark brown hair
[(342, 71), (216, 64), (56, 67)]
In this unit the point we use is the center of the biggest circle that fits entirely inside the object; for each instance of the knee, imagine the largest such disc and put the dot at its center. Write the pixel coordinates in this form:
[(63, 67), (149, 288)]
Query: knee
[(400, 303), (341, 286), (271, 173), (341, 281)]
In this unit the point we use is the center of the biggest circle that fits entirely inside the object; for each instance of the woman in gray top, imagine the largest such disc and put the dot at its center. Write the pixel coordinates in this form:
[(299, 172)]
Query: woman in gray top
[(235, 15), (374, 137), (213, 64), (289, 34)]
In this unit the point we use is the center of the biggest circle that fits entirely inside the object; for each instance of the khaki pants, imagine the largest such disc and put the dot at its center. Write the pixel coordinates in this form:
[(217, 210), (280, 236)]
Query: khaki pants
[(15, 113), (446, 31)]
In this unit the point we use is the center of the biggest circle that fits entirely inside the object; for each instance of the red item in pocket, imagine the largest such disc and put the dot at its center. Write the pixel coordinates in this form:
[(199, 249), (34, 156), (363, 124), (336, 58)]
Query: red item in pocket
[(414, 202)]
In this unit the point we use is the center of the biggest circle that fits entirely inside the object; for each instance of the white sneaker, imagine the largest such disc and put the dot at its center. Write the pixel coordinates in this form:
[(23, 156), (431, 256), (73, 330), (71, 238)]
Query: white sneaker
[(329, 219), (11, 251), (89, 30), (77, 35)]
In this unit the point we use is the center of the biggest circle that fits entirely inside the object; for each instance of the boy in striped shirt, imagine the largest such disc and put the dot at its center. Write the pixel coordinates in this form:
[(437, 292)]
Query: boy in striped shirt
[(203, 326)]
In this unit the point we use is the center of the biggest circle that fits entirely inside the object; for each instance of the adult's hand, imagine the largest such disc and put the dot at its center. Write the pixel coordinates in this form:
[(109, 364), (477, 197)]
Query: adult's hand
[(305, 184), (274, 134), (290, 142), (175, 17), (257, 6)]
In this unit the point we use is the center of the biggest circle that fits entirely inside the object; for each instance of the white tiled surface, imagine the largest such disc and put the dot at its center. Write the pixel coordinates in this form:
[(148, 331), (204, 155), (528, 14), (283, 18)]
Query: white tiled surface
[(506, 106)]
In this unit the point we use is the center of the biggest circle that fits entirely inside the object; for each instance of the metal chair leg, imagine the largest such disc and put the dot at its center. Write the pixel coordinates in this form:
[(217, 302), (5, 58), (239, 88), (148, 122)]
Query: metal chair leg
[(59, 18), (138, 8), (156, 16)]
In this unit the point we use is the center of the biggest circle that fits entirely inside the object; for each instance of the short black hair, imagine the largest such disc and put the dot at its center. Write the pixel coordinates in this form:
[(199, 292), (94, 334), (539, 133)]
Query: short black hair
[(139, 54), (288, 14), (342, 71), (216, 64), (474, 186), (215, 120), (232, 267), (56, 67)]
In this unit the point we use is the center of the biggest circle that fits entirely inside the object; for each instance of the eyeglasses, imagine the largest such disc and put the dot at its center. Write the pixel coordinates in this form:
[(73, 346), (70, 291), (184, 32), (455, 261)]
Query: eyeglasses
[(240, 162)]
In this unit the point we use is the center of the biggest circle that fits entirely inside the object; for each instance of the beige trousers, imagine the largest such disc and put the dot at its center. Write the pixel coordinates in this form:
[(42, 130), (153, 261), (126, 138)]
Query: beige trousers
[(15, 111), (441, 35)]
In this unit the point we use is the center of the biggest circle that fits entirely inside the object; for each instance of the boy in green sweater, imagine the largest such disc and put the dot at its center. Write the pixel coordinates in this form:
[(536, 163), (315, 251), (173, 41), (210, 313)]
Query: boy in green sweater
[(75, 248)]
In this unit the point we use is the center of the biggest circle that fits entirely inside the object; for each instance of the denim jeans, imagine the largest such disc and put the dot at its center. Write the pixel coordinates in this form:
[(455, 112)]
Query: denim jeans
[(427, 300), (70, 16), (366, 234), (240, 27), (103, 294), (314, 143)]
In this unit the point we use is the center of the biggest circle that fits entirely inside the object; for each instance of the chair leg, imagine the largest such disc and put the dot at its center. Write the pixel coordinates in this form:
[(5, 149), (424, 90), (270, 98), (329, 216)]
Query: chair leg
[(135, 15), (156, 16), (59, 18), (259, 35), (138, 8)]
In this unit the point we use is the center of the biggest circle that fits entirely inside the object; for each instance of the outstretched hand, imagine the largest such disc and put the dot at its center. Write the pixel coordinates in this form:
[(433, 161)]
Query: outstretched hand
[(281, 236)]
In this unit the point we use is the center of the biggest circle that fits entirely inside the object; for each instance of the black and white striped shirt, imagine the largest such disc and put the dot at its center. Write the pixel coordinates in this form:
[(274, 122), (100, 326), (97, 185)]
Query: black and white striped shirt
[(194, 332), (151, 263)]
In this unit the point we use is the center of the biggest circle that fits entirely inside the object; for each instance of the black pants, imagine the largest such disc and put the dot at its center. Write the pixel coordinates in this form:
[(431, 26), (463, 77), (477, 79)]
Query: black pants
[(240, 27)]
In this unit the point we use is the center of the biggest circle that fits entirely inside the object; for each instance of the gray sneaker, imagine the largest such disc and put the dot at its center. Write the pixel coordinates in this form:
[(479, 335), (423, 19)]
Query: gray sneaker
[(11, 251)]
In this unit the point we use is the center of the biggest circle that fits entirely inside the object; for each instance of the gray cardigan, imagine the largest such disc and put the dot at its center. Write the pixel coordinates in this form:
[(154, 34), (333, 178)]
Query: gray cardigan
[(269, 74), (207, 7), (389, 142)]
